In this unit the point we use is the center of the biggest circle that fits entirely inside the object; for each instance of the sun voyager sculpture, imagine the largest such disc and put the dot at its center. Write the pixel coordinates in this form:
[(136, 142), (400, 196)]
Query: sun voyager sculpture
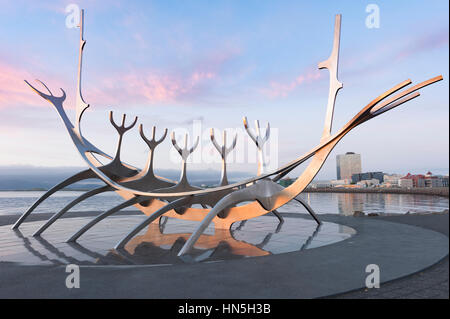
[(156, 196)]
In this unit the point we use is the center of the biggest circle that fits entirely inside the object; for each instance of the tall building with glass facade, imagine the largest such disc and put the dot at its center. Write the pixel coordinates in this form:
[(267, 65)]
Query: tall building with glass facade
[(348, 164)]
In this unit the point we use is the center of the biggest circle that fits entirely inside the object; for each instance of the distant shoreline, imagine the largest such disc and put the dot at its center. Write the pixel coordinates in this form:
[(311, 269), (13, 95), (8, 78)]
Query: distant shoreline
[(434, 191)]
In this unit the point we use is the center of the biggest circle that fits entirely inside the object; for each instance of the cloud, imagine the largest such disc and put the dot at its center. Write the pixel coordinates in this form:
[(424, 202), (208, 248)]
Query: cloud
[(161, 86), (13, 90), (423, 43), (149, 87), (280, 89), (146, 85), (383, 56)]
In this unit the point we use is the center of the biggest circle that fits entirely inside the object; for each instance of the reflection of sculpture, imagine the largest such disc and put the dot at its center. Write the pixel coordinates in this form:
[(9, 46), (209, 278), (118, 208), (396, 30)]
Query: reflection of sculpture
[(154, 235), (155, 196), (160, 244)]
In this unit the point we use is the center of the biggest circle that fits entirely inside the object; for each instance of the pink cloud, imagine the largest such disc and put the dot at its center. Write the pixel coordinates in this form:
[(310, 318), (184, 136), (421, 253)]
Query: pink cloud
[(135, 86), (149, 87), (13, 90), (278, 89), (159, 86)]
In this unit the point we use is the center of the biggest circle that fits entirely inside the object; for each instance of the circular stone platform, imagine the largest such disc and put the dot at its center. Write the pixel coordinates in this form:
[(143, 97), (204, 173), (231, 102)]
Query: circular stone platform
[(160, 243), (398, 249)]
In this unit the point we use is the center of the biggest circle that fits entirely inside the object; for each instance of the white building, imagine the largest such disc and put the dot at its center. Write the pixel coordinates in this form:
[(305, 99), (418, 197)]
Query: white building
[(348, 164), (340, 182), (392, 180), (407, 183), (320, 184), (368, 183)]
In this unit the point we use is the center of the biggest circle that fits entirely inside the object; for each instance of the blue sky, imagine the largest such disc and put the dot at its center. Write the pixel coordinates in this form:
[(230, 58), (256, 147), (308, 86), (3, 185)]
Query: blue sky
[(171, 62)]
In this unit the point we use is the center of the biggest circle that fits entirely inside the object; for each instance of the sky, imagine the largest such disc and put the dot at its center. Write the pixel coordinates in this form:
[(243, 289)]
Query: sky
[(193, 65)]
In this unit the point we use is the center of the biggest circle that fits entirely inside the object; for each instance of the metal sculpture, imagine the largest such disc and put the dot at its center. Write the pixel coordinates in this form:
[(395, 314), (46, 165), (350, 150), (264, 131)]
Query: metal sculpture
[(156, 196)]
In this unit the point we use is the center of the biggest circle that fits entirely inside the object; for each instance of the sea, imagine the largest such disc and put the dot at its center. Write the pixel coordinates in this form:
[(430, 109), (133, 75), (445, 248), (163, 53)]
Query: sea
[(16, 202)]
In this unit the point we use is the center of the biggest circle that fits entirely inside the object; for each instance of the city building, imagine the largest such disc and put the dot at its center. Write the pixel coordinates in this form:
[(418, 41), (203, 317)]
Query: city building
[(348, 164), (320, 184), (368, 176), (444, 180), (340, 182), (427, 180), (405, 182), (391, 180), (369, 182)]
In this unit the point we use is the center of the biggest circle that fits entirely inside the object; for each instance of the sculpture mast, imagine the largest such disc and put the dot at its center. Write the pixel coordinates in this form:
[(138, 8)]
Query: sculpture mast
[(332, 65), (80, 104)]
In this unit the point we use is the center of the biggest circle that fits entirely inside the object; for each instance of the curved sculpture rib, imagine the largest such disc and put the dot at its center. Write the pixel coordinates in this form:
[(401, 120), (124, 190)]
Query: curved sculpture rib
[(278, 216), (69, 181), (227, 201), (66, 208), (102, 216), (309, 209)]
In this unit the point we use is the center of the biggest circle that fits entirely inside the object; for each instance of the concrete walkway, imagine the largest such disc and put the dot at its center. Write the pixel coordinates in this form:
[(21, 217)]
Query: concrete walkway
[(432, 282)]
